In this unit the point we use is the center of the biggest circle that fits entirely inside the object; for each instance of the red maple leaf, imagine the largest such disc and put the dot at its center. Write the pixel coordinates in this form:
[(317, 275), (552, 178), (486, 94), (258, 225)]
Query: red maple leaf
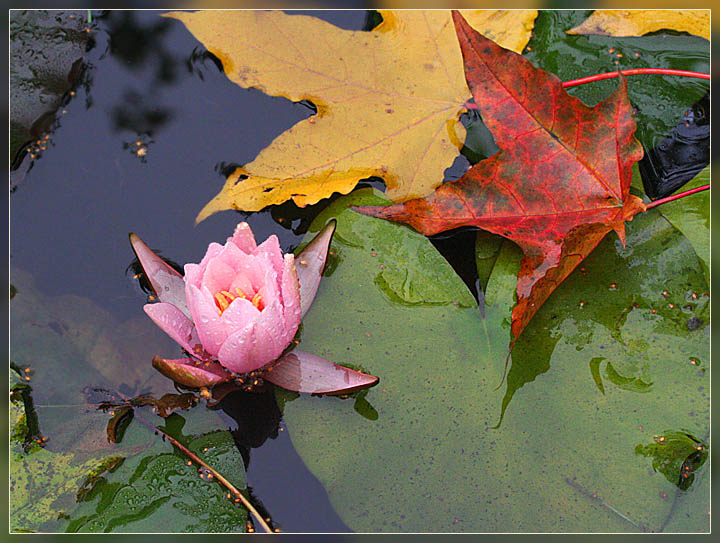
[(559, 183)]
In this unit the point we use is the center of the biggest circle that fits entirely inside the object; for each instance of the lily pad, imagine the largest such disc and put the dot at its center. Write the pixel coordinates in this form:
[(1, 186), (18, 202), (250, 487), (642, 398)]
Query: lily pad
[(563, 457), (168, 493)]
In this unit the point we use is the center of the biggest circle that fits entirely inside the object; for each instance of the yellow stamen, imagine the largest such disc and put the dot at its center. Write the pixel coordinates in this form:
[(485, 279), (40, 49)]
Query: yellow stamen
[(240, 293), (229, 295), (257, 300), (222, 302)]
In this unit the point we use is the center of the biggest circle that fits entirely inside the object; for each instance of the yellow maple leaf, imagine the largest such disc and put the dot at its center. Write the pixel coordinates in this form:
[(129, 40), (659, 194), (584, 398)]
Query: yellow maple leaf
[(619, 22), (388, 100)]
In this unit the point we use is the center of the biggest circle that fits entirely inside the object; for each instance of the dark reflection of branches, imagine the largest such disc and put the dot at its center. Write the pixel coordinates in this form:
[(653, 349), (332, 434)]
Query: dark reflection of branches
[(134, 114), (138, 43)]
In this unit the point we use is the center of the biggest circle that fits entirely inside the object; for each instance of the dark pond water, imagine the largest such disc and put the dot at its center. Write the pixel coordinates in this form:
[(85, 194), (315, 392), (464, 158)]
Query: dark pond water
[(148, 81)]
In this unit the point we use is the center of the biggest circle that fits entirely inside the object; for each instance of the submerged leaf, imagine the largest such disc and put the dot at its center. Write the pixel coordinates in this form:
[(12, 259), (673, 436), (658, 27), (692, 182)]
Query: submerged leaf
[(122, 416), (677, 455), (168, 403), (387, 101)]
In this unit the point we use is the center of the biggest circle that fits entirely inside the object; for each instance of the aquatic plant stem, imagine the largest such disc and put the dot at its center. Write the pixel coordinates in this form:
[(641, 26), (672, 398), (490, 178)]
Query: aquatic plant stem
[(667, 199), (594, 496), (195, 458), (634, 71), (611, 75), (227, 484)]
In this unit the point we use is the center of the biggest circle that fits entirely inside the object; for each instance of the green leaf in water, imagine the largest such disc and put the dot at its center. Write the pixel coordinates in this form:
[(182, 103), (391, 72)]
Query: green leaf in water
[(73, 347), (167, 492), (43, 487), (431, 460), (677, 455), (661, 101)]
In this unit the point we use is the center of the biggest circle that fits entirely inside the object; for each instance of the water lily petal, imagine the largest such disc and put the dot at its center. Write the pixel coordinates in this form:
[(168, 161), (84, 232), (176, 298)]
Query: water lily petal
[(244, 264), (270, 251), (212, 251), (175, 324), (194, 272), (191, 373), (243, 238), (305, 372), (290, 292), (242, 282), (205, 314), (240, 313), (270, 336), (310, 264), (265, 347), (235, 351), (270, 289), (193, 275), (218, 276), (168, 284)]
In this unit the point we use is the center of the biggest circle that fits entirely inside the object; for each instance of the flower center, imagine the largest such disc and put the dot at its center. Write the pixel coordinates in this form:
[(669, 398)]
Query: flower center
[(224, 298)]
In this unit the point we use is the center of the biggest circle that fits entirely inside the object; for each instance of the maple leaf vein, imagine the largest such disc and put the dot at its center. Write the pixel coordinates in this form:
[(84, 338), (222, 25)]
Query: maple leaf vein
[(573, 152)]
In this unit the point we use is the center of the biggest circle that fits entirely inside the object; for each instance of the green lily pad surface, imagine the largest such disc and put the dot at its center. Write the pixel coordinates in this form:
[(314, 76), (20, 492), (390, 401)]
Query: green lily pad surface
[(607, 363), (168, 493)]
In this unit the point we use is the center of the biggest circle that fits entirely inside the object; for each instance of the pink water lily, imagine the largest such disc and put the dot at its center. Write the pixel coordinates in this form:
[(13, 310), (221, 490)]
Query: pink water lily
[(237, 311)]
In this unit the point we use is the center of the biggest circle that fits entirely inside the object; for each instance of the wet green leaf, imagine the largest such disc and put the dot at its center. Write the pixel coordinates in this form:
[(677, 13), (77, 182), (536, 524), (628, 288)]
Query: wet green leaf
[(677, 455), (399, 262), (43, 488), (432, 459), (163, 493), (660, 100)]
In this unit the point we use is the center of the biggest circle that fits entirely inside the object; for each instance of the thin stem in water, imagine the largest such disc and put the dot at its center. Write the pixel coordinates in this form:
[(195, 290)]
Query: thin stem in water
[(195, 458), (667, 199), (610, 75), (634, 71), (227, 484)]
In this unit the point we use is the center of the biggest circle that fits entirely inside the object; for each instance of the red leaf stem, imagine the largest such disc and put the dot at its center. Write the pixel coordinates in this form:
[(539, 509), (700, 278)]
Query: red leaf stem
[(611, 75), (676, 196), (634, 71)]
